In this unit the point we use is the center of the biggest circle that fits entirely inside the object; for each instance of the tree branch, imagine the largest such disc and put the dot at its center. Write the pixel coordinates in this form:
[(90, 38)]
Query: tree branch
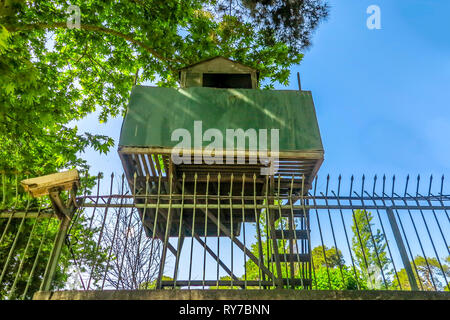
[(126, 36)]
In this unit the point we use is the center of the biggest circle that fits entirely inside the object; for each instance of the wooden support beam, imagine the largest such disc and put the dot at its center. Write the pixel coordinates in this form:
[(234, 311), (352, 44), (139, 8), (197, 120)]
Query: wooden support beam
[(301, 155)]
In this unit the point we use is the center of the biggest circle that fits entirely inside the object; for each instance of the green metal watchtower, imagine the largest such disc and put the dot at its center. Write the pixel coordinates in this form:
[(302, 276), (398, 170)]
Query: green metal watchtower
[(223, 95)]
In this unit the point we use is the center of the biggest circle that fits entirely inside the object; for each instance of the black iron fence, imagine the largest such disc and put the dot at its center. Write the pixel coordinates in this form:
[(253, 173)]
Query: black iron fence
[(241, 233)]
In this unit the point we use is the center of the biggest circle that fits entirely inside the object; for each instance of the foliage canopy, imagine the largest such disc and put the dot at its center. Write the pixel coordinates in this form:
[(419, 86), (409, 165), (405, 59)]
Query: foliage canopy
[(53, 75)]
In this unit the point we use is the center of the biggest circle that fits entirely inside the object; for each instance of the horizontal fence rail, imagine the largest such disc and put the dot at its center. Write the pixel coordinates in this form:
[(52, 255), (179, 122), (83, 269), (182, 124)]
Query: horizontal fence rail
[(243, 233)]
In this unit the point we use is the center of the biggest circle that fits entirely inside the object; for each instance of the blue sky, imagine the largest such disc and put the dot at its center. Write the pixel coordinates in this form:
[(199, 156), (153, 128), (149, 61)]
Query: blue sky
[(381, 96)]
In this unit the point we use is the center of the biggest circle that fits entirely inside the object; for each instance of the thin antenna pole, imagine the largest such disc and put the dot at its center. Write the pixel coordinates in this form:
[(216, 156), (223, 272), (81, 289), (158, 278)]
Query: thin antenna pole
[(299, 82)]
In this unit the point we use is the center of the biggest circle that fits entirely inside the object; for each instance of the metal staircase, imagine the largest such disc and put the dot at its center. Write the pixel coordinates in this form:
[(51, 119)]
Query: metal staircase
[(291, 258)]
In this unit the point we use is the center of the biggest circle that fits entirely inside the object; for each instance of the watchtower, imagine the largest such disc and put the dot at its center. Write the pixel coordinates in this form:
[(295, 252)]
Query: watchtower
[(218, 96)]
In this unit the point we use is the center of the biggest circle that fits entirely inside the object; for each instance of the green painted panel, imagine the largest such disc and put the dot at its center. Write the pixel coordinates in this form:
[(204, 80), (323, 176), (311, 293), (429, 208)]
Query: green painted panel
[(154, 113)]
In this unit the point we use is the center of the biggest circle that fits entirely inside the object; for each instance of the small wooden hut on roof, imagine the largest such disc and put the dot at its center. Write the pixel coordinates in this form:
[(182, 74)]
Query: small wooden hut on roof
[(219, 72)]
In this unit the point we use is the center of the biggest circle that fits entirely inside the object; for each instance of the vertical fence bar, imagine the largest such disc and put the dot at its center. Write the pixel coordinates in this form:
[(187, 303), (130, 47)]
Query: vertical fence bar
[(99, 240), (292, 227), (3, 188), (402, 249), (192, 230), (282, 235), (429, 234), (440, 197), (6, 228), (370, 231), (270, 241), (417, 235), (356, 225), (384, 232), (205, 230), (218, 229), (435, 217), (166, 234), (345, 231), (400, 221), (304, 202), (232, 229), (115, 231), (258, 234), (243, 230), (11, 250), (36, 259), (321, 237), (155, 222), (13, 287), (179, 244), (16, 238), (332, 229)]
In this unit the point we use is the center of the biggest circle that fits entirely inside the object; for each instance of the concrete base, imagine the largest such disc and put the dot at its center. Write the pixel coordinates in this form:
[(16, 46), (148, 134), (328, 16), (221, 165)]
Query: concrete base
[(240, 295)]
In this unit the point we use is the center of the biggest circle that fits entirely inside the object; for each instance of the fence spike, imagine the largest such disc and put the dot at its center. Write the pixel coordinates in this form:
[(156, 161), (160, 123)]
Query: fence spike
[(417, 186), (374, 184), (431, 182), (362, 184), (393, 185), (339, 184), (406, 185)]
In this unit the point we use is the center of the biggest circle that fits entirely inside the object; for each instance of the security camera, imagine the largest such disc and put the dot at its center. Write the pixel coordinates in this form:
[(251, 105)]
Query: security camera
[(61, 181)]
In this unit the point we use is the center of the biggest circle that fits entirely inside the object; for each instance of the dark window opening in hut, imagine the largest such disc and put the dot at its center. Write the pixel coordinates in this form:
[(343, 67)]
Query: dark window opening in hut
[(227, 80)]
